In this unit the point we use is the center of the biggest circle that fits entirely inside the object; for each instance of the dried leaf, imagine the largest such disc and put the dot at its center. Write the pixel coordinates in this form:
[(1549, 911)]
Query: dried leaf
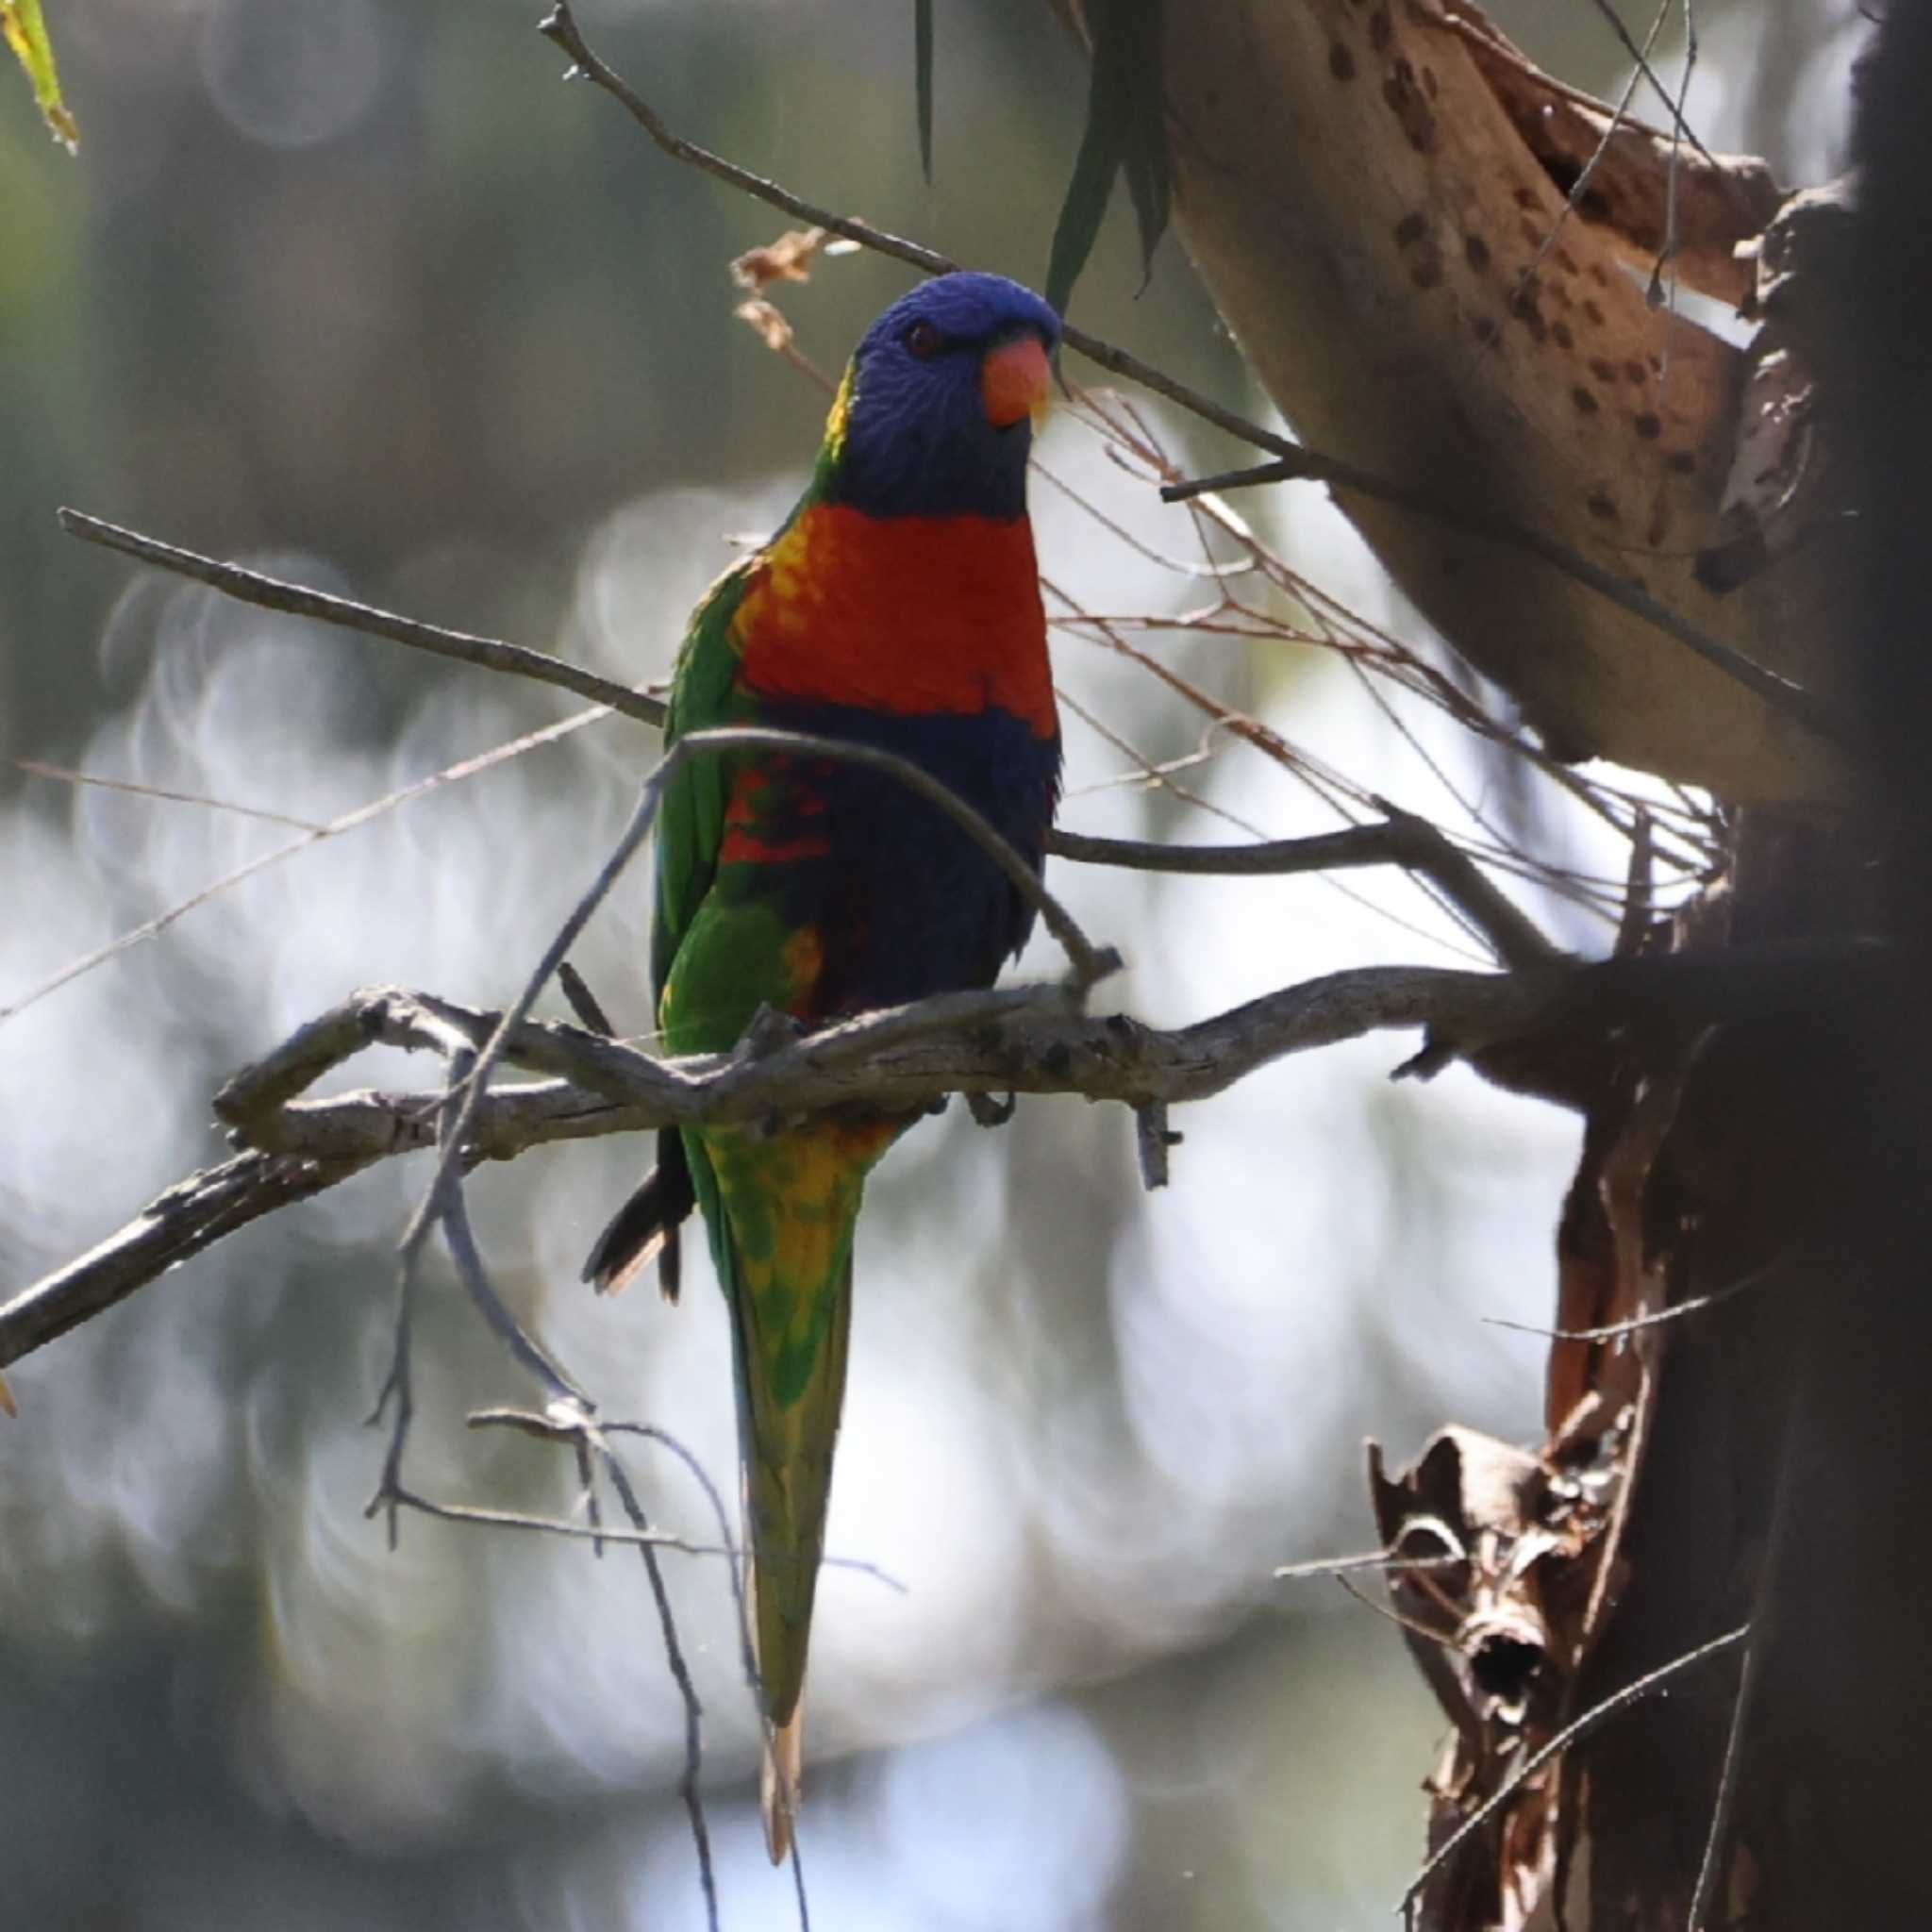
[(770, 325), (789, 259)]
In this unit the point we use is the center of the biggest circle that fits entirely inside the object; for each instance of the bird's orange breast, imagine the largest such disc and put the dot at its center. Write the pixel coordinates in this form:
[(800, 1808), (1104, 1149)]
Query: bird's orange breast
[(907, 614)]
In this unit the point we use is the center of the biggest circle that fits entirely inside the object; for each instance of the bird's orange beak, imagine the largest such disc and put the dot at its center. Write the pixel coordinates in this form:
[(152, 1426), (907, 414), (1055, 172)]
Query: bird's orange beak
[(1015, 380)]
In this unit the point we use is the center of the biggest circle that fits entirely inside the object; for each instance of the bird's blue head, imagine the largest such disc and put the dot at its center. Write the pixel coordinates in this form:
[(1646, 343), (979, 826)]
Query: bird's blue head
[(934, 417)]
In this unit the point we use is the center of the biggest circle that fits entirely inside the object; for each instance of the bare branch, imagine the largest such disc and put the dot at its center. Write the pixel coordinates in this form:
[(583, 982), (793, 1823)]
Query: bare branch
[(191, 1215), (554, 1525), (1025, 1039), (273, 593), (1369, 1559), (36, 769), (1405, 840)]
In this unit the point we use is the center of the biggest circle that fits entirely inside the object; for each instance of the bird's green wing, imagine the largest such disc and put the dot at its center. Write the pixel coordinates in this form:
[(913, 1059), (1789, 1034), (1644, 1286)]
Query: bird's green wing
[(691, 830), (690, 820)]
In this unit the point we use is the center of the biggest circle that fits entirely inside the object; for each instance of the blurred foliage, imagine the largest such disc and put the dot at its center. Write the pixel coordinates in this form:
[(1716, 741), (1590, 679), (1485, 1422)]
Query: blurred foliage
[(25, 29)]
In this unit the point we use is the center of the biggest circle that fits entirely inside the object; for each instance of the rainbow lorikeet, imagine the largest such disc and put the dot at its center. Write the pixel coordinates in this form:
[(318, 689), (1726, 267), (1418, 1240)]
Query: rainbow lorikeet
[(898, 606)]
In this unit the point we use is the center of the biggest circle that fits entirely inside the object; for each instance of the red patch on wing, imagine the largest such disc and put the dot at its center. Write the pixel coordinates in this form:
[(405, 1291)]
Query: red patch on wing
[(910, 614), (749, 848), (755, 834)]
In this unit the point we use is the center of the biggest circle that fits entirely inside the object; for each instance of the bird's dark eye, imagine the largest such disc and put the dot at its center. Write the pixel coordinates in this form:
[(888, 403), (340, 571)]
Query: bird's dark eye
[(925, 341)]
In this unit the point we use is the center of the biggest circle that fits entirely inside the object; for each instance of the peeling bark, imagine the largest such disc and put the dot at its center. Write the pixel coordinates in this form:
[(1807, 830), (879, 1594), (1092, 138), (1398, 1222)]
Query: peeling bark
[(1375, 196)]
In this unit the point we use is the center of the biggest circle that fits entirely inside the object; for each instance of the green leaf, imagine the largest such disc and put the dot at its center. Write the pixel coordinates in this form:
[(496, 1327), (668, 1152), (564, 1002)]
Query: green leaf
[(1126, 128), (1094, 168), (26, 32), (921, 57)]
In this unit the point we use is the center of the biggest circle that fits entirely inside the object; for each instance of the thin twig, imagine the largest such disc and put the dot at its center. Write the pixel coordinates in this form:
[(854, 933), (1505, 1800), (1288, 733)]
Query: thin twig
[(680, 1671), (524, 1349), (102, 783), (1616, 120), (1811, 1321), (742, 1621), (1572, 1733), (397, 1396), (566, 1421), (1443, 1640), (1372, 1559), (350, 821), (273, 593), (1641, 56), (1615, 1330), (551, 1526)]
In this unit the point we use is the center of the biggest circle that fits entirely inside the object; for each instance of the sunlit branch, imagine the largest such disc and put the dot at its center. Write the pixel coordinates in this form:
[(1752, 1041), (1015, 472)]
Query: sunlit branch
[(903, 1060)]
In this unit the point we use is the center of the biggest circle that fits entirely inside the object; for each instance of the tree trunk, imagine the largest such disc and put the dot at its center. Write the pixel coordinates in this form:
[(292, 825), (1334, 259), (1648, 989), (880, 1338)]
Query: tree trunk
[(1375, 196)]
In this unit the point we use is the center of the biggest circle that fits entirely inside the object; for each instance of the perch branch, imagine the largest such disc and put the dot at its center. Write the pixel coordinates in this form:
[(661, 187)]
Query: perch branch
[(903, 1060)]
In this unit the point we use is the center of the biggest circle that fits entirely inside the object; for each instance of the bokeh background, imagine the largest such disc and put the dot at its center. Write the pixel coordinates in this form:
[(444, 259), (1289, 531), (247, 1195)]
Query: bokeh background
[(363, 293)]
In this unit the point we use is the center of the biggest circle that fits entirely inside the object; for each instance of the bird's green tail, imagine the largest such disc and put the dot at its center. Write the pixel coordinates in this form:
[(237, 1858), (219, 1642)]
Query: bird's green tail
[(787, 1449), (788, 1204), (787, 1453)]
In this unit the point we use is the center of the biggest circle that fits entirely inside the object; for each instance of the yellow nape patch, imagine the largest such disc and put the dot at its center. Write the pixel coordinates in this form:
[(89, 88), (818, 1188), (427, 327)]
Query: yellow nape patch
[(840, 421)]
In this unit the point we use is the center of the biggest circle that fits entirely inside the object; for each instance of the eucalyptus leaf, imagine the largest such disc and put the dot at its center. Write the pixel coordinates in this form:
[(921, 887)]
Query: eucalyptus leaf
[(1126, 130), (922, 56)]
